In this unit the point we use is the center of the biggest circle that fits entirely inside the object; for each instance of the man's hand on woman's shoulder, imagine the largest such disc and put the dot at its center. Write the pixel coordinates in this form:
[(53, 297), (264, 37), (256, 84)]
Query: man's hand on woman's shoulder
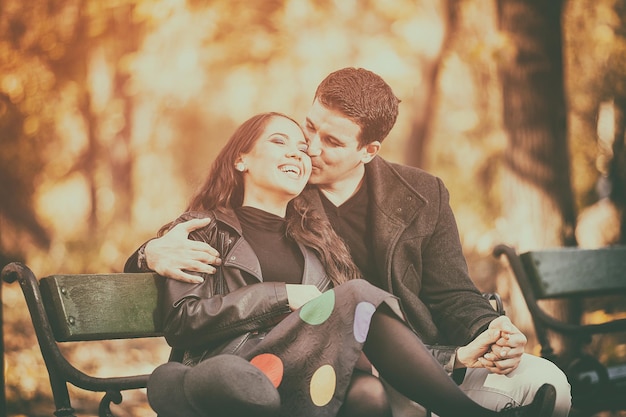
[(174, 255)]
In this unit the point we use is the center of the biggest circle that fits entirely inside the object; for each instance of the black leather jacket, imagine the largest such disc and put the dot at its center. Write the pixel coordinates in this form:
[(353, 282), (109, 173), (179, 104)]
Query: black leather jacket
[(212, 317)]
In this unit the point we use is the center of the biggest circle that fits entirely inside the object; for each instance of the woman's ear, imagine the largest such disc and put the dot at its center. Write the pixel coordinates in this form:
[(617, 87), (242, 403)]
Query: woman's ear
[(240, 165)]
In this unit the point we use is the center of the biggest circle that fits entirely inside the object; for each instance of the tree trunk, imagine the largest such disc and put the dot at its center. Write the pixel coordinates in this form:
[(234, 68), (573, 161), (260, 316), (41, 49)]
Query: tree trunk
[(423, 109), (617, 167), (121, 155), (538, 200)]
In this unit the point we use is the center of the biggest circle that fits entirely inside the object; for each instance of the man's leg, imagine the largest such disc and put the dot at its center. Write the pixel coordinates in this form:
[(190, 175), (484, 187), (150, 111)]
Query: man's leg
[(519, 387), (495, 391)]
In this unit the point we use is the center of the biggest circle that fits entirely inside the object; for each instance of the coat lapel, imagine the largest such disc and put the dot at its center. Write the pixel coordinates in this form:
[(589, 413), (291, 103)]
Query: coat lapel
[(394, 204)]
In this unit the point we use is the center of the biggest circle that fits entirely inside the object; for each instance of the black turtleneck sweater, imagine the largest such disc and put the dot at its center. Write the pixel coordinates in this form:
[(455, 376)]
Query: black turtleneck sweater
[(351, 221), (280, 257)]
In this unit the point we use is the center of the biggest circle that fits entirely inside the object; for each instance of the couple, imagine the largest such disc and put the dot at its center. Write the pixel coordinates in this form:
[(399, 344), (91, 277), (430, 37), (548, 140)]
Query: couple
[(280, 252)]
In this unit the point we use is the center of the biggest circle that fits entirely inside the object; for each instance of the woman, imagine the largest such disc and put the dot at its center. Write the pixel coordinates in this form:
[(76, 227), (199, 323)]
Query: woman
[(288, 300)]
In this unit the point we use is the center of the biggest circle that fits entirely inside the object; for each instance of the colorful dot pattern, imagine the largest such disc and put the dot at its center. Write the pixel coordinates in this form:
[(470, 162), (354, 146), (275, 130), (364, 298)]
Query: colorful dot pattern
[(271, 365), (324, 379), (319, 309)]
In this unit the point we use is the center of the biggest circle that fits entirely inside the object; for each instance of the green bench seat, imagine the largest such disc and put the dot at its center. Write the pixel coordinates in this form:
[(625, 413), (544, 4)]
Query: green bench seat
[(71, 308)]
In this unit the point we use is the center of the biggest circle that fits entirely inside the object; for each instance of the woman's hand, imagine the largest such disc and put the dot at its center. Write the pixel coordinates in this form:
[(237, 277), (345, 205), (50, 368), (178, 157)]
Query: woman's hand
[(506, 353), (498, 349), (470, 356), (298, 294)]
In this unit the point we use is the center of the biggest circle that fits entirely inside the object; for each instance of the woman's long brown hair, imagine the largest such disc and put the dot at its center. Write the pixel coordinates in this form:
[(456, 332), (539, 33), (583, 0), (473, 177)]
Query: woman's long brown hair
[(224, 188)]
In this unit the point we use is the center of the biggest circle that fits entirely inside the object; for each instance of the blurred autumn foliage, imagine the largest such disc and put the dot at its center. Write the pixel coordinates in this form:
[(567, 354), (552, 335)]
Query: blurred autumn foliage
[(111, 112)]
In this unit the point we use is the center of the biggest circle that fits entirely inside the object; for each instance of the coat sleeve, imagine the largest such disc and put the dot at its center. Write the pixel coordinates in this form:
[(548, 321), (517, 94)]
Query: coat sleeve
[(132, 263), (190, 320), (193, 315), (445, 355), (458, 309)]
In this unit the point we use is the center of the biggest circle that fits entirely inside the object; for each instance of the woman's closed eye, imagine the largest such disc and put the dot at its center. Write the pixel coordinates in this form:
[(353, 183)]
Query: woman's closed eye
[(279, 140)]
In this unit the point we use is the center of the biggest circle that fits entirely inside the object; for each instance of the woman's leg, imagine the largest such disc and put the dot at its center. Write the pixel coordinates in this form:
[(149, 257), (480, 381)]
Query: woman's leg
[(404, 362), (366, 397)]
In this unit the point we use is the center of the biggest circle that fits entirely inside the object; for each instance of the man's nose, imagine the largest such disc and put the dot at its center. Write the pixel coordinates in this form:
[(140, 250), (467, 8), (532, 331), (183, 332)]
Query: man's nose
[(315, 148)]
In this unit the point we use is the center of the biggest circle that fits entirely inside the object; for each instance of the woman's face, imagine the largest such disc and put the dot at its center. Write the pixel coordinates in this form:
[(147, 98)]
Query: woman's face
[(277, 167)]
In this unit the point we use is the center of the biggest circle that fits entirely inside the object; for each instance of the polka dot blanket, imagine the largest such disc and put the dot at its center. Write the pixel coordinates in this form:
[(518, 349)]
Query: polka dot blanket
[(311, 354)]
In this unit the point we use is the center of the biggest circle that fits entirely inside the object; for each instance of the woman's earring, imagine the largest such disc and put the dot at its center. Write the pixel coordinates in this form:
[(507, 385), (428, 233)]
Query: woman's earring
[(240, 166)]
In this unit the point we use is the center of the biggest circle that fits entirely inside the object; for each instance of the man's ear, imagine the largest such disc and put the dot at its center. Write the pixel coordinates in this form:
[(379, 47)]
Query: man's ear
[(370, 151)]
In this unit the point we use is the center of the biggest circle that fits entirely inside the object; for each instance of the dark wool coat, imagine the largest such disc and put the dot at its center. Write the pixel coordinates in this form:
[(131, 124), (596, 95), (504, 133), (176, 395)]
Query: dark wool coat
[(418, 253)]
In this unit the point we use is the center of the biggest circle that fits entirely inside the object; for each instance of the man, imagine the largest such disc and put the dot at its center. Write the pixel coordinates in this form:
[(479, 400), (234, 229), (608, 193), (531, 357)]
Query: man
[(402, 234)]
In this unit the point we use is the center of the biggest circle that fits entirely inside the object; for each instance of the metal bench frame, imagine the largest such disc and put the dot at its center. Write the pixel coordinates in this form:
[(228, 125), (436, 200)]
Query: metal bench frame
[(49, 333), (574, 273)]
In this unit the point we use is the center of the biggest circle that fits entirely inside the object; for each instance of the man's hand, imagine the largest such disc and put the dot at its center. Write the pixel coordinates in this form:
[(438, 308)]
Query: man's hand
[(505, 354), (174, 253), (498, 349), (300, 294), (469, 356)]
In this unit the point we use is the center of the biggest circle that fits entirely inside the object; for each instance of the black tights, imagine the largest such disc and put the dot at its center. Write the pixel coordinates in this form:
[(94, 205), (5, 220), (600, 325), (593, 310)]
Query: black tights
[(404, 362), (366, 397)]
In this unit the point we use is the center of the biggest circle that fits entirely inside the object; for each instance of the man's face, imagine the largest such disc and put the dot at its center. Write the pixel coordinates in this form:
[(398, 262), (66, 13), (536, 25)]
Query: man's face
[(334, 147)]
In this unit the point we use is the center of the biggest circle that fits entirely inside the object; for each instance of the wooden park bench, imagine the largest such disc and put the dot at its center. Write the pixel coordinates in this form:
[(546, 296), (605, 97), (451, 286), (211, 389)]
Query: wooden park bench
[(92, 307), (70, 308), (581, 275)]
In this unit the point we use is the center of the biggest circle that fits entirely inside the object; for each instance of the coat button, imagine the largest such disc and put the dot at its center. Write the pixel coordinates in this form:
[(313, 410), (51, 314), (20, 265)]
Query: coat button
[(232, 258)]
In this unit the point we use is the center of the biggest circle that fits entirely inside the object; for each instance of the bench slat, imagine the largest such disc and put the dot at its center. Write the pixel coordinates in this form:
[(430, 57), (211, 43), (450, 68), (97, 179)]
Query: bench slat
[(102, 306), (571, 271)]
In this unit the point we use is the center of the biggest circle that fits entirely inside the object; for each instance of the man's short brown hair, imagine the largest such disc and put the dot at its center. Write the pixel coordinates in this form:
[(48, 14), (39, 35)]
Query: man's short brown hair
[(363, 97)]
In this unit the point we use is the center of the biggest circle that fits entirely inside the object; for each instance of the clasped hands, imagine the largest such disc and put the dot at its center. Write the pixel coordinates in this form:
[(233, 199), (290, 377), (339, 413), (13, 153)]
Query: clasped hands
[(498, 349)]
